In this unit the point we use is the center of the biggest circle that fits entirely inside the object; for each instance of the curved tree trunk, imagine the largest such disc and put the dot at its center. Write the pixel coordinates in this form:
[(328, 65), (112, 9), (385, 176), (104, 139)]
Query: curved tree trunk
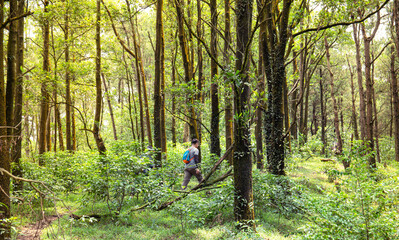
[(96, 128)]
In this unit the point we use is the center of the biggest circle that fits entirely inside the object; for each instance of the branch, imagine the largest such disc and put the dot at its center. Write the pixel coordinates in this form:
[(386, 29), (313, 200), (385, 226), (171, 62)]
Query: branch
[(383, 49), (9, 20), (116, 32), (340, 23), (189, 123), (195, 189), (204, 44)]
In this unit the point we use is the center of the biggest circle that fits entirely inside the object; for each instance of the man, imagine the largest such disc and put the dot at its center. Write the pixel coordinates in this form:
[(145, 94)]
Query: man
[(191, 167)]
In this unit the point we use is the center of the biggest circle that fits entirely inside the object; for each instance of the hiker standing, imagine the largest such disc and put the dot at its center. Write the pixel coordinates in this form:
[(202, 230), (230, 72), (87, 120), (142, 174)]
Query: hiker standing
[(191, 159)]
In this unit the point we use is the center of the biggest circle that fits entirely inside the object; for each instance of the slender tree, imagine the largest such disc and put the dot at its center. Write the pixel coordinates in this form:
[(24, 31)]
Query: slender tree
[(157, 84), (4, 143), (97, 117), (68, 100), (369, 136), (215, 138), (17, 171)]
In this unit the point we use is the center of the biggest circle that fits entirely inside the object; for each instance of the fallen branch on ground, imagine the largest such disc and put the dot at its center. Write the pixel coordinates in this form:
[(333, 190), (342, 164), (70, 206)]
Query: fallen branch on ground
[(200, 187)]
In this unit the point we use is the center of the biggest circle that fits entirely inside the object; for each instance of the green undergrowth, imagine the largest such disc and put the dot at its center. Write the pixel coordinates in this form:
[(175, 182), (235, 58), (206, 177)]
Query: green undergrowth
[(316, 200)]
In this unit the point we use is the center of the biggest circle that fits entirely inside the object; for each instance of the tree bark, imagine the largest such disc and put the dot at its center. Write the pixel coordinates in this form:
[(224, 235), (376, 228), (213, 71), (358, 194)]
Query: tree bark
[(242, 163), (44, 102), (4, 142), (96, 128), (17, 153), (362, 107), (157, 84), (294, 107), (395, 100), (260, 89), (188, 73), (11, 67), (395, 97), (215, 138), (369, 92), (228, 99), (354, 113), (274, 50), (323, 116), (68, 106)]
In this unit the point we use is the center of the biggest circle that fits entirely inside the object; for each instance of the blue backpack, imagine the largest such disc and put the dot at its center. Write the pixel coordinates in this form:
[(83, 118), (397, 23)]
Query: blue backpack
[(186, 156)]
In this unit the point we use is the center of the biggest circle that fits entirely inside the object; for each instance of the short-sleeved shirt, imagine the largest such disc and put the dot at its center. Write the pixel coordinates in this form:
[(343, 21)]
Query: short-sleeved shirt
[(193, 152)]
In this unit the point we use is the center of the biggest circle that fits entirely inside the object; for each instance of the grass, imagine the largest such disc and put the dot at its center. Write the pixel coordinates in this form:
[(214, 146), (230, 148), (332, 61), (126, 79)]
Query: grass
[(169, 224)]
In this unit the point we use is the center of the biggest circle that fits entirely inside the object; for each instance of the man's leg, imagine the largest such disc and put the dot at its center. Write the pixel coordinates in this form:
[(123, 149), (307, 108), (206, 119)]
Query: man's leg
[(187, 177), (198, 175)]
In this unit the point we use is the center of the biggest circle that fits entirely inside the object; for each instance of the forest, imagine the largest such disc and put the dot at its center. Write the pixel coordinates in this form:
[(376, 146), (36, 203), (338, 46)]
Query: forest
[(285, 111)]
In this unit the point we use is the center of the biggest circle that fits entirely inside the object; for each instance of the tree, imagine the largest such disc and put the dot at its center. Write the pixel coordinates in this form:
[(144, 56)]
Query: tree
[(215, 138), (157, 84), (274, 42), (96, 127), (44, 102), (17, 153), (242, 162)]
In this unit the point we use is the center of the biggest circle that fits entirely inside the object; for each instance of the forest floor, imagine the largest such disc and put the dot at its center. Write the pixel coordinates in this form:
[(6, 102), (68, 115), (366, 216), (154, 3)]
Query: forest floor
[(166, 224)]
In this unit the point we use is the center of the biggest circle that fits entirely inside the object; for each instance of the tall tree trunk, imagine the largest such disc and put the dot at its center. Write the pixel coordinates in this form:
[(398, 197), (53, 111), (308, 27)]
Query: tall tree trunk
[(395, 97), (323, 116), (286, 115), (59, 125), (242, 163), (354, 113), (228, 98), (144, 85), (188, 73), (362, 107), (335, 104), (376, 131), (44, 102), (111, 112), (215, 138), (274, 50), (157, 84), (48, 126), (4, 141), (68, 105), (395, 100), (96, 128), (74, 141), (174, 141), (302, 86), (17, 153), (200, 66), (163, 98), (369, 91), (11, 67), (130, 98), (294, 107), (261, 88)]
